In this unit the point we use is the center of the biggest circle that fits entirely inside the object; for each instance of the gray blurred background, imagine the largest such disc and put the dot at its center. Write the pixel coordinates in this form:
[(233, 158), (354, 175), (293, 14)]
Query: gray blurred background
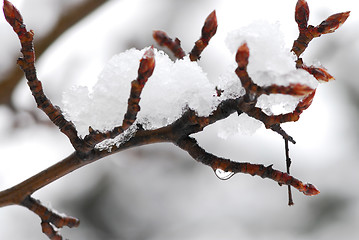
[(158, 191)]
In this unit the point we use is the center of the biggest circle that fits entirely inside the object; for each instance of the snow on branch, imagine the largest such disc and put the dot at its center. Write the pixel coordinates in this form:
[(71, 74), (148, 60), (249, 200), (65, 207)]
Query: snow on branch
[(169, 101)]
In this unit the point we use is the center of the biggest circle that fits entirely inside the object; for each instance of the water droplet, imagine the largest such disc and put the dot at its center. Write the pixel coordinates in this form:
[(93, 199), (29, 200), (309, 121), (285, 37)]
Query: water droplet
[(223, 175)]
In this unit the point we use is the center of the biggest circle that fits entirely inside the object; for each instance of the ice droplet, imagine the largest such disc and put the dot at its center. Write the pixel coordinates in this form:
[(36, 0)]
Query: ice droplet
[(223, 175)]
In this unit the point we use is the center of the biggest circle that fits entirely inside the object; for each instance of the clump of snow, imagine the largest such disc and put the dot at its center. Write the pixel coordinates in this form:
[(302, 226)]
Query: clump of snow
[(230, 83), (172, 88), (234, 124), (266, 46), (270, 62)]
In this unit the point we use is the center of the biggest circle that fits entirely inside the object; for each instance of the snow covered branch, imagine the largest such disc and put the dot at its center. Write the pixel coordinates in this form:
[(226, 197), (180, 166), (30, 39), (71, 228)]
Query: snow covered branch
[(189, 104)]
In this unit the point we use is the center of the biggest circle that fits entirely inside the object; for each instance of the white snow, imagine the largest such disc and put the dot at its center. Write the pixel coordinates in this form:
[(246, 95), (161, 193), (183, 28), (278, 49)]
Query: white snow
[(173, 87), (270, 61)]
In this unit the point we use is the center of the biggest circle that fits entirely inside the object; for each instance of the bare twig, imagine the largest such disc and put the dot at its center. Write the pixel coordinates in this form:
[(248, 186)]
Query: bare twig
[(49, 218), (288, 163), (27, 64), (67, 19), (208, 31), (173, 45), (191, 146)]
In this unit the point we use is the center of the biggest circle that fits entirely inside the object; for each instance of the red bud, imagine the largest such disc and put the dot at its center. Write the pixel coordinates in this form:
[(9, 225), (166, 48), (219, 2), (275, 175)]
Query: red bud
[(242, 56), (320, 74), (147, 65), (160, 37), (209, 27), (294, 89), (333, 22), (302, 14), (310, 190), (13, 17)]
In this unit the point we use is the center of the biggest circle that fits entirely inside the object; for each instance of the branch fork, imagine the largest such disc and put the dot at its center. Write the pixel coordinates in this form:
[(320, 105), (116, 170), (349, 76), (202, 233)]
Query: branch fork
[(177, 132)]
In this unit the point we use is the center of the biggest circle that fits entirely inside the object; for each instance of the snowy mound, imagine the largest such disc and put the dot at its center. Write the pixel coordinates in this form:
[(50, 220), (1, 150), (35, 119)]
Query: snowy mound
[(173, 87)]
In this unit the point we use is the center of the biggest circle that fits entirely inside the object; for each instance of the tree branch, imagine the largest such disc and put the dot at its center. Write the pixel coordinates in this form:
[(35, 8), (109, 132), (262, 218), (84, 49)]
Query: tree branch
[(288, 163), (67, 19), (191, 146), (87, 150)]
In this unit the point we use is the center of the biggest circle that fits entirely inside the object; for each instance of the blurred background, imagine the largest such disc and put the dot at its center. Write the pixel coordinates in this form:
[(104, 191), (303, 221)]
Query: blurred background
[(158, 191)]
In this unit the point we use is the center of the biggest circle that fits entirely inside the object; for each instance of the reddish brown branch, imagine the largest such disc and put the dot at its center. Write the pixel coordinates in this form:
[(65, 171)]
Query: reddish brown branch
[(191, 146), (271, 120), (294, 89)]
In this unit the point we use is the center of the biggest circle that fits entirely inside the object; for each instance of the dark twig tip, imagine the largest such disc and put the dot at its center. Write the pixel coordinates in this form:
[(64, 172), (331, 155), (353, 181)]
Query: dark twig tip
[(173, 45), (159, 36), (209, 29), (49, 218), (302, 14), (242, 55), (11, 13), (210, 26), (310, 190), (333, 22), (147, 65)]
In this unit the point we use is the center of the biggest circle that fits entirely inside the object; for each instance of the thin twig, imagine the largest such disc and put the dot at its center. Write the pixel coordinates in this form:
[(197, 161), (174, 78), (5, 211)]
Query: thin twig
[(67, 19), (288, 163), (208, 31)]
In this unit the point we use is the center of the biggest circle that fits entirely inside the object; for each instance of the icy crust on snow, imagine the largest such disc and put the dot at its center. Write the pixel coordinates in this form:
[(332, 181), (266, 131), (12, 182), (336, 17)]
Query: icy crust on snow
[(173, 87), (176, 86)]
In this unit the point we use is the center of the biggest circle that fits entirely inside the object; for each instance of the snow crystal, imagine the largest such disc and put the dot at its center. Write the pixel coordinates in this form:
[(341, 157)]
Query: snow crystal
[(172, 88)]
